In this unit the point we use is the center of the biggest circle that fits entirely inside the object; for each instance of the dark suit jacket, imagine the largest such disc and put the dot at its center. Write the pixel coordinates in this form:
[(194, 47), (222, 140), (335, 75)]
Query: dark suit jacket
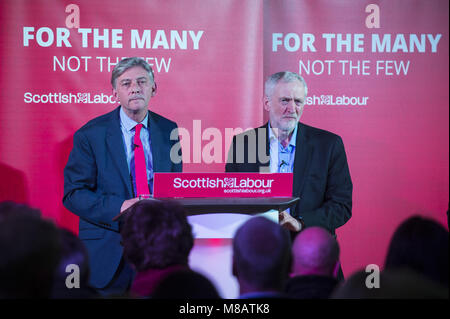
[(310, 287), (321, 175), (97, 181)]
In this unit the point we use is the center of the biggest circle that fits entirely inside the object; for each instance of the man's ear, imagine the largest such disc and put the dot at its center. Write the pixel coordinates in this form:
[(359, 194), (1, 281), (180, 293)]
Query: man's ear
[(233, 268), (154, 87), (116, 95), (336, 269), (291, 266), (266, 102)]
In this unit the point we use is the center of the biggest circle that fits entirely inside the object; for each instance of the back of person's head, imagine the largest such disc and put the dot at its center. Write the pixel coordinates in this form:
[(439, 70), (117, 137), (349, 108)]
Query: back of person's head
[(8, 208), (156, 234), (261, 255), (29, 253), (186, 284), (315, 252), (420, 244), (74, 260), (392, 284)]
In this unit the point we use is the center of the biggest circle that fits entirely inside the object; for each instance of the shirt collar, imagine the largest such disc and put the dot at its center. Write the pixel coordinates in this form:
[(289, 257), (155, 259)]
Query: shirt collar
[(128, 123), (273, 138)]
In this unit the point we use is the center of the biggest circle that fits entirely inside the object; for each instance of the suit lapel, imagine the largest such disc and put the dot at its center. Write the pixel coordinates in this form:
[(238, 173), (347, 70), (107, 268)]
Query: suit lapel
[(156, 141), (115, 146), (262, 132), (303, 155)]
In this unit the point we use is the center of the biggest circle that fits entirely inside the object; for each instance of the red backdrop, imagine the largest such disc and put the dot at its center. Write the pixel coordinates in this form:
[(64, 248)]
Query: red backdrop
[(210, 59), (397, 144)]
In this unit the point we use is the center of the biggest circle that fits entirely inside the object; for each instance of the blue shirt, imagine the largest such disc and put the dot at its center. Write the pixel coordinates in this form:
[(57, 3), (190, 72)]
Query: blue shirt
[(282, 158), (127, 126)]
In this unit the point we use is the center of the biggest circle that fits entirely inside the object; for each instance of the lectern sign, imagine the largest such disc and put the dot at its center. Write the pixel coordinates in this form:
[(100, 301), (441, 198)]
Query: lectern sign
[(223, 185)]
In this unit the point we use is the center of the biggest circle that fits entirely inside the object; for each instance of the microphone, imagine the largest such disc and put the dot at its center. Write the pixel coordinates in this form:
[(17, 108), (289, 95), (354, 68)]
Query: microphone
[(284, 167), (282, 163)]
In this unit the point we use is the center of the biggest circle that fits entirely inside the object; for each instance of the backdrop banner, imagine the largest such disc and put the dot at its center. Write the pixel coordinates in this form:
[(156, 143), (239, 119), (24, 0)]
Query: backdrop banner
[(377, 75), (57, 60)]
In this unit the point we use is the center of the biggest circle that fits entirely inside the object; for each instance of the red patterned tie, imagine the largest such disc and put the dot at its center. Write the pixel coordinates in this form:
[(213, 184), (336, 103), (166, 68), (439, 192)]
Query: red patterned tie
[(139, 164)]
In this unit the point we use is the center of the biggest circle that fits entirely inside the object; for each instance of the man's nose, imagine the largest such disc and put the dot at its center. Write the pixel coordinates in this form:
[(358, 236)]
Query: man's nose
[(290, 107), (135, 88)]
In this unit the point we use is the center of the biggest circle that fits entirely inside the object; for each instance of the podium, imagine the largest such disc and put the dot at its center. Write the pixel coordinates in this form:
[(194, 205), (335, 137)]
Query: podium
[(225, 222), (241, 205), (217, 215), (227, 212)]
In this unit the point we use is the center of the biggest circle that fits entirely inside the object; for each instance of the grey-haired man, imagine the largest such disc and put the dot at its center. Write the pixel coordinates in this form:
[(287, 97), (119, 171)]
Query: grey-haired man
[(316, 157)]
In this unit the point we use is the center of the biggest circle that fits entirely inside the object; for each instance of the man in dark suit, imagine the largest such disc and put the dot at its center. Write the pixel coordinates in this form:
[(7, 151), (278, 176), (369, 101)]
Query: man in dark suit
[(102, 174), (315, 157)]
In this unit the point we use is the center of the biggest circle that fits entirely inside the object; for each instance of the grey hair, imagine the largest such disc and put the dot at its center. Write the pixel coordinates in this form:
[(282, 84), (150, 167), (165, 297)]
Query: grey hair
[(284, 76), (128, 63)]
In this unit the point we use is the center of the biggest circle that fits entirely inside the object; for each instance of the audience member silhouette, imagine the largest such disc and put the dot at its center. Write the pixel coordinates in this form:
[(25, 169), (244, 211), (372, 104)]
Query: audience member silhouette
[(393, 284), (261, 258), (29, 252), (72, 274), (187, 285), (416, 265), (8, 208), (315, 265), (157, 240), (420, 244)]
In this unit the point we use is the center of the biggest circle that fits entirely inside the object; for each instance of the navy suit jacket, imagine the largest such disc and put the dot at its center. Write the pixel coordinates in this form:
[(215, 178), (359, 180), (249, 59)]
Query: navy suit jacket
[(321, 175), (97, 182)]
